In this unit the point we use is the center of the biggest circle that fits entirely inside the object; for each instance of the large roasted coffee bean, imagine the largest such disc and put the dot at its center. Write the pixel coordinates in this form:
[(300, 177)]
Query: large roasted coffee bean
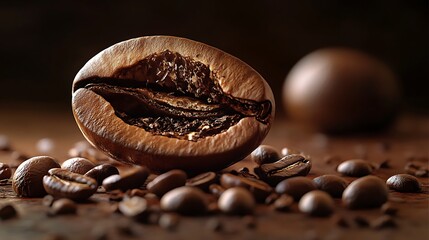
[(168, 102), (184, 200), (236, 200), (133, 178), (355, 168), (202, 181), (166, 182), (404, 183), (77, 165), (5, 171), (296, 187), (365, 192), (265, 154), (331, 184), (259, 189), (101, 172)]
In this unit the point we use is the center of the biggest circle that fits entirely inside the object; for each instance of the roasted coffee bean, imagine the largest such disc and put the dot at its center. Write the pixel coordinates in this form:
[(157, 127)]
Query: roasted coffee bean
[(404, 183), (133, 207), (288, 151), (283, 203), (63, 206), (383, 222), (202, 181), (5, 171), (7, 212), (164, 102), (265, 154), (133, 178), (236, 200), (167, 181), (28, 178), (45, 146), (5, 143), (331, 184), (184, 200), (216, 189), (355, 168), (78, 165), (259, 189), (62, 183), (316, 203), (295, 187), (288, 166), (48, 200), (271, 198), (101, 172), (417, 169), (388, 209), (365, 192), (169, 221)]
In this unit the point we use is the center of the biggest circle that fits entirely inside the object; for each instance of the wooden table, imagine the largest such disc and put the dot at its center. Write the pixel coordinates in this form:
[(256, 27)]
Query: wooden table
[(409, 138)]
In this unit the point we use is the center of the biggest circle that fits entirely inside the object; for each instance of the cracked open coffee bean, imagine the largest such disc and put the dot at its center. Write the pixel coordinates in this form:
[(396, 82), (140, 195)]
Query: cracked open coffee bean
[(355, 168), (5, 171), (172, 103), (259, 189), (316, 203), (365, 192), (101, 172), (133, 178), (167, 181), (404, 183), (265, 154), (185, 200), (77, 165), (288, 166), (236, 200), (27, 180), (331, 184), (295, 187), (202, 181), (61, 183)]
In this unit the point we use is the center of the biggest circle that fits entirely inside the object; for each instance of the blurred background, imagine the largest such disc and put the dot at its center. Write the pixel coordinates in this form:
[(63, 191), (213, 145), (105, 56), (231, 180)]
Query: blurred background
[(42, 46)]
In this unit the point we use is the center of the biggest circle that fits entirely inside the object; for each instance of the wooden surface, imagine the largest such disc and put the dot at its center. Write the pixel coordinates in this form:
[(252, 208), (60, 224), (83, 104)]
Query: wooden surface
[(408, 139)]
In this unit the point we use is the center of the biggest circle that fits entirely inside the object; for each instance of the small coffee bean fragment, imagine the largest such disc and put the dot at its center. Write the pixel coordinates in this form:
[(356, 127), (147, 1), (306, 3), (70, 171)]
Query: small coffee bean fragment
[(365, 192), (133, 178), (259, 189), (78, 165), (296, 187), (169, 221), (265, 154), (133, 206), (383, 222), (27, 180), (63, 206), (283, 203), (216, 189), (355, 168), (7, 212), (316, 203), (184, 200), (236, 200), (101, 172), (331, 184), (388, 209), (167, 181), (202, 181), (404, 183), (5, 171)]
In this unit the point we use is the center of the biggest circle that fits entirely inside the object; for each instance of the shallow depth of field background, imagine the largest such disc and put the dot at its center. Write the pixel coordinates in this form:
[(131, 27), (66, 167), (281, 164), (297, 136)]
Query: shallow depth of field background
[(42, 46)]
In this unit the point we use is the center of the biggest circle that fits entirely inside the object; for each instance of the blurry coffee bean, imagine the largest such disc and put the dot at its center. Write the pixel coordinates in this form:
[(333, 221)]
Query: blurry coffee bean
[(169, 221), (77, 165), (216, 189), (259, 189), (383, 222), (45, 146), (355, 168), (316, 203), (361, 221), (214, 224), (331, 184), (5, 171), (288, 151), (184, 200), (271, 198), (167, 181), (417, 169), (236, 200), (295, 187), (116, 195), (133, 206), (5, 143), (283, 203), (136, 192), (288, 166), (250, 221), (63, 206), (388, 209), (404, 183), (133, 178), (365, 192), (265, 154), (48, 200), (202, 181), (101, 172), (28, 178), (342, 222), (7, 212)]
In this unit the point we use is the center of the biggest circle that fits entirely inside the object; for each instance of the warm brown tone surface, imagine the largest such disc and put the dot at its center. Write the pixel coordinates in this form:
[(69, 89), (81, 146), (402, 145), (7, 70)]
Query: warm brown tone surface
[(409, 138)]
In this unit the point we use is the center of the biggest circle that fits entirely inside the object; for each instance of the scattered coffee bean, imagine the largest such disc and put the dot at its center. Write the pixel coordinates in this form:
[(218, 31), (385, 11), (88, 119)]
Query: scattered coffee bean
[(422, 173), (136, 192), (316, 203), (216, 189), (383, 222), (184, 200), (62, 183), (388, 209), (355, 168), (7, 212), (202, 181), (361, 221), (288, 166), (63, 206), (48, 200), (5, 171), (271, 198), (404, 183), (236, 200), (250, 222), (283, 203), (28, 178), (5, 143), (259, 189), (418, 169), (296, 187), (101, 172), (78, 165), (288, 151), (167, 181), (265, 154), (214, 224), (45, 146), (365, 192), (133, 178), (134, 207), (169, 221), (331, 184)]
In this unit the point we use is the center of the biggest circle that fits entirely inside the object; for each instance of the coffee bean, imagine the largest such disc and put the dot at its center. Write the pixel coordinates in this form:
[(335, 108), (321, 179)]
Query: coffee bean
[(133, 178), (265, 154), (216, 189), (63, 206), (184, 200), (136, 192), (62, 183), (388, 209), (383, 222), (331, 184), (214, 224), (404, 183), (169, 221), (271, 198), (5, 172), (365, 192), (45, 146), (116, 195), (202, 181), (289, 151), (316, 203), (78, 165), (245, 172), (28, 178), (283, 203), (355, 168), (5, 143), (288, 166), (135, 207), (48, 200), (167, 181), (101, 172), (7, 212), (259, 189), (417, 169), (342, 222), (296, 187), (236, 200)]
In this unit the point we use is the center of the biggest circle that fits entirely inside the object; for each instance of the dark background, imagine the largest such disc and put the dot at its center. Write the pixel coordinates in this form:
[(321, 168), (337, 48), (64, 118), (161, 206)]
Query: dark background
[(42, 46)]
